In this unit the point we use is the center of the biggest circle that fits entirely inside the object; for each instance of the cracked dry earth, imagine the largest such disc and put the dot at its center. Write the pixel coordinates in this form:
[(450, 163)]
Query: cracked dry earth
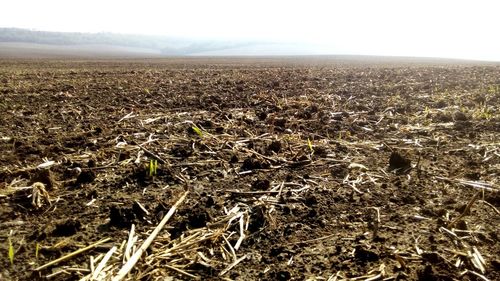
[(295, 169)]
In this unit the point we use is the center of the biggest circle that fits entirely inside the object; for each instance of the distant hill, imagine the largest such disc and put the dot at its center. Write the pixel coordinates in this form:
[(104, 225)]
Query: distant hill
[(21, 50), (159, 44), (20, 42), (74, 38)]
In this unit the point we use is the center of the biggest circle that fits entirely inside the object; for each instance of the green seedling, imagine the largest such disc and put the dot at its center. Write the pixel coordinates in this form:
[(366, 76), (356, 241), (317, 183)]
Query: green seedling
[(492, 89), (483, 113), (11, 252), (153, 166), (197, 131), (427, 111), (37, 249), (344, 135), (309, 144)]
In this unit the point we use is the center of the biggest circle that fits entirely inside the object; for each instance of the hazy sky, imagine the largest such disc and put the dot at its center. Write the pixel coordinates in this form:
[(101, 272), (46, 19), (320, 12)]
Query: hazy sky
[(442, 28)]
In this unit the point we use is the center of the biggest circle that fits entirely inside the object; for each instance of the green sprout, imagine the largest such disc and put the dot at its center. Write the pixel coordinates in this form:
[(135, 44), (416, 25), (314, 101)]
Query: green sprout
[(492, 89), (340, 136), (427, 110), (11, 252), (309, 144), (483, 113), (153, 166), (37, 249), (197, 130)]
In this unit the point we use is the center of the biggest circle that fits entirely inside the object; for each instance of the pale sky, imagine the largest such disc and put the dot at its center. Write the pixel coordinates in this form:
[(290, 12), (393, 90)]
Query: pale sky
[(435, 28)]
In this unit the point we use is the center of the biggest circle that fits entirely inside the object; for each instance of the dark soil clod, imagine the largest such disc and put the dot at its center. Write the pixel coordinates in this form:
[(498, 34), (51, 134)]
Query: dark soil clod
[(311, 200), (262, 115), (257, 218), (207, 124), (198, 219), (252, 164), (86, 176), (275, 146), (121, 217), (67, 228), (283, 276), (261, 184), (139, 211), (280, 123), (460, 116), (234, 159), (182, 151), (399, 162), (46, 177), (364, 255), (339, 171)]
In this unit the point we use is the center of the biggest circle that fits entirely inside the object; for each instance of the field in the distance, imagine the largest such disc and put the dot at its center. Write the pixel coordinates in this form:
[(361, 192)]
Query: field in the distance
[(292, 169)]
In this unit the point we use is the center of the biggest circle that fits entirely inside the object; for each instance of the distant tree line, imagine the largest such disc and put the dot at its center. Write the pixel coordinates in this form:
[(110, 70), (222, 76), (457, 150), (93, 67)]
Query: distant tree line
[(76, 38), (166, 45)]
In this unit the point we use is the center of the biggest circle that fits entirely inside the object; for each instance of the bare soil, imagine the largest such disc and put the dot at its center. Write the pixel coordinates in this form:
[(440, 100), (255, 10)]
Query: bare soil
[(294, 170)]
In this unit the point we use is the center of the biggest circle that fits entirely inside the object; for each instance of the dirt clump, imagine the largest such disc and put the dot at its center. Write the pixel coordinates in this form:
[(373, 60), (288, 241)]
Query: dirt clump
[(46, 177), (398, 161)]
